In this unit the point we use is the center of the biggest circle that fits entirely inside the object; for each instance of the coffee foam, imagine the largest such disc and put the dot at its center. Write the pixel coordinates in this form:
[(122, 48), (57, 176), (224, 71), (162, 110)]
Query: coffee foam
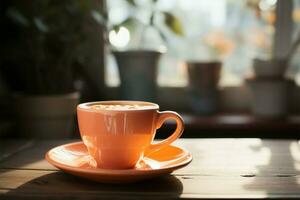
[(120, 106)]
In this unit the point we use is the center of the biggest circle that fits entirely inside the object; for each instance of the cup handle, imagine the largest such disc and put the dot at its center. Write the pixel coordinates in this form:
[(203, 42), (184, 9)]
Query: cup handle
[(162, 117)]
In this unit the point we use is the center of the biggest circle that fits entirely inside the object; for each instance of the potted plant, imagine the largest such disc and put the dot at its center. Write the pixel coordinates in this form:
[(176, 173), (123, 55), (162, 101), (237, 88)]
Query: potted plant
[(138, 66), (43, 41), (270, 96), (204, 75), (270, 87)]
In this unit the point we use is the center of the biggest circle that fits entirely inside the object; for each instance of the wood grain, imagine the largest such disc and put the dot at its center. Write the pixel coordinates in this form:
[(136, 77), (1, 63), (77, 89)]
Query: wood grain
[(221, 168), (46, 183), (32, 157), (9, 148)]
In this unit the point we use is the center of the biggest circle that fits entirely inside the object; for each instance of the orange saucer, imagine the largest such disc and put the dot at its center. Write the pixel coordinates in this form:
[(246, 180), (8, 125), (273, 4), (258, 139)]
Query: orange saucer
[(73, 158)]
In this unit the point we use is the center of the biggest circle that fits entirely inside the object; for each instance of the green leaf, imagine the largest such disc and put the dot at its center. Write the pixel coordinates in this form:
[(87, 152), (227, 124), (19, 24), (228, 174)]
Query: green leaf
[(173, 23), (97, 16), (41, 26), (131, 2), (129, 23), (17, 16), (116, 28)]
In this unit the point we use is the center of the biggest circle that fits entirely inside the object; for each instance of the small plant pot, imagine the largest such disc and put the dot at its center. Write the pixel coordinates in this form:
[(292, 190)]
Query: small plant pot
[(46, 117), (203, 86), (269, 68), (138, 72), (269, 97)]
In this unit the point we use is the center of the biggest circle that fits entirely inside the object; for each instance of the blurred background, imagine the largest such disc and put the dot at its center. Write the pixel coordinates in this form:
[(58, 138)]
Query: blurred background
[(229, 67)]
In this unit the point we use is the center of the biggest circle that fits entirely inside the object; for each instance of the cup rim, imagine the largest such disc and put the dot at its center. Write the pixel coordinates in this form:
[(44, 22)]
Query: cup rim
[(86, 106)]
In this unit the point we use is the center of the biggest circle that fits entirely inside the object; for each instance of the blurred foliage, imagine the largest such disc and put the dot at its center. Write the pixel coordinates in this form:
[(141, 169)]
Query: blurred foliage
[(41, 42), (130, 23), (171, 21), (131, 2)]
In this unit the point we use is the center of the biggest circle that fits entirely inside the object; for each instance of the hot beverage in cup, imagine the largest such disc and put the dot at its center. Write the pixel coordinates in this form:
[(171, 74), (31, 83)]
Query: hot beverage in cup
[(118, 133), (119, 106)]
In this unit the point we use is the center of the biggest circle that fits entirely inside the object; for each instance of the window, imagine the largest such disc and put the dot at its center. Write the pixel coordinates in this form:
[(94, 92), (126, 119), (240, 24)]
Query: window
[(294, 69), (231, 30)]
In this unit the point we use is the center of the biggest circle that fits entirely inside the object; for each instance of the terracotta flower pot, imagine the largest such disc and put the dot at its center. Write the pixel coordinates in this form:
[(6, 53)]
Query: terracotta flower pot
[(138, 72), (203, 86), (46, 117)]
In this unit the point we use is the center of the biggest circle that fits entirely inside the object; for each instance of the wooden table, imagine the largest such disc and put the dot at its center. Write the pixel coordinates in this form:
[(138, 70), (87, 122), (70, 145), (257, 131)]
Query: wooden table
[(222, 168)]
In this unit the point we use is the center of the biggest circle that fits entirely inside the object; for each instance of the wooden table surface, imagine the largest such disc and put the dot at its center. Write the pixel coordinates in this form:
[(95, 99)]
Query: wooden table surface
[(222, 168)]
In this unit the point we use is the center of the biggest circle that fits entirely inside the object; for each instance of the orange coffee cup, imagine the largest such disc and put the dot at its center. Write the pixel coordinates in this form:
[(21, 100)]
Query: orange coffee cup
[(118, 133)]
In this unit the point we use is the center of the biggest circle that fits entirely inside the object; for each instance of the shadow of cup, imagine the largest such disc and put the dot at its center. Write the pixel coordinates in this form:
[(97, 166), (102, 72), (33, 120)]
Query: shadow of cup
[(59, 185)]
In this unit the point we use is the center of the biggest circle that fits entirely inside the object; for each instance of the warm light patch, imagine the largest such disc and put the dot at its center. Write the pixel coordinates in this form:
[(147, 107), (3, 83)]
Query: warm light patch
[(295, 153), (119, 39)]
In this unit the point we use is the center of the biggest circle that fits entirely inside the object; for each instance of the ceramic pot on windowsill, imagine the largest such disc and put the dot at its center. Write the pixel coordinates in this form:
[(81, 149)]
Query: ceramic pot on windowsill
[(269, 97), (138, 73), (269, 88), (274, 68), (203, 86), (46, 116)]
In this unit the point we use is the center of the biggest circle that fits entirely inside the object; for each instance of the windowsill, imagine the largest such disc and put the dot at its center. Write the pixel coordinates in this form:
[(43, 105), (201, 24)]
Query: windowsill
[(233, 100), (177, 98), (238, 125)]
